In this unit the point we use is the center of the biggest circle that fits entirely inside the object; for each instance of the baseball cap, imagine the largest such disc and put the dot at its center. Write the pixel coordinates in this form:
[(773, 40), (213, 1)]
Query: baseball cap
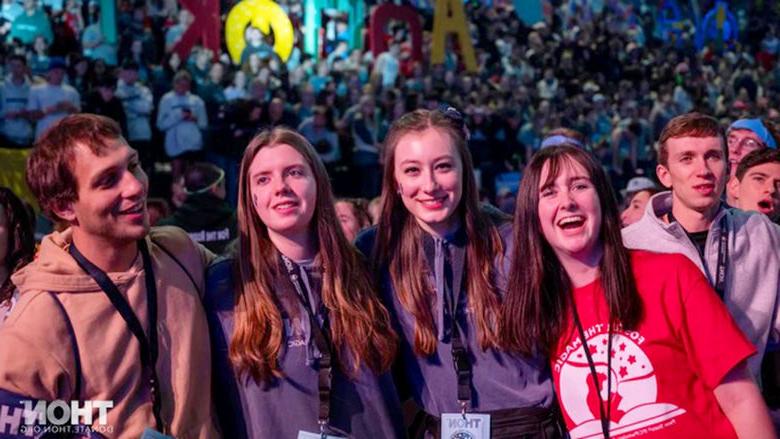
[(637, 184), (756, 126)]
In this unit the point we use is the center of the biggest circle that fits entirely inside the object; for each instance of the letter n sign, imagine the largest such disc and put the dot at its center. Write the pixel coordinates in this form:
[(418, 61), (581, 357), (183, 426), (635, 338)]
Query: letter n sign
[(386, 12)]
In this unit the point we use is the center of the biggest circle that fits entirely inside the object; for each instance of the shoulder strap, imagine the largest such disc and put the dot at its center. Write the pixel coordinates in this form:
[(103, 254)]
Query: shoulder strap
[(179, 263), (77, 357)]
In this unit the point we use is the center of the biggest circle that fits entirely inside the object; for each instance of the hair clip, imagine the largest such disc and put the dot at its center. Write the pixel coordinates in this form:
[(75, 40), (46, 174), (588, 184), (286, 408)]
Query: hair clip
[(454, 115)]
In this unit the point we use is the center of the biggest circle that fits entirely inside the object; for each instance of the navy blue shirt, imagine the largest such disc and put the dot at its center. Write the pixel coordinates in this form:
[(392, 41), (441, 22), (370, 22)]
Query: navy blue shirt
[(364, 406), (499, 380)]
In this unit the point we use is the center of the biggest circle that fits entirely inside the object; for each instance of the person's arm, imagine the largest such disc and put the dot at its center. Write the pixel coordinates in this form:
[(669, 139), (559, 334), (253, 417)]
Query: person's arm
[(34, 108), (72, 104), (143, 104), (167, 118), (741, 402)]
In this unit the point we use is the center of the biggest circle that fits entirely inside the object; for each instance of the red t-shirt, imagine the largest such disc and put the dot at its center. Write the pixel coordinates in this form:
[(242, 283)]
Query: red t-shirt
[(663, 374)]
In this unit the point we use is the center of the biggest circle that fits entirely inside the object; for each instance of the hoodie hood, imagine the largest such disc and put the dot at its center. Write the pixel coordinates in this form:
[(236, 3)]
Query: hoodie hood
[(203, 211), (54, 269)]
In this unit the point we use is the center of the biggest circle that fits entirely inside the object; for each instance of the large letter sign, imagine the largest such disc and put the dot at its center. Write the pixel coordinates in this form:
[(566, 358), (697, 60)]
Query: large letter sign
[(449, 18), (386, 12), (264, 15), (719, 25), (205, 27)]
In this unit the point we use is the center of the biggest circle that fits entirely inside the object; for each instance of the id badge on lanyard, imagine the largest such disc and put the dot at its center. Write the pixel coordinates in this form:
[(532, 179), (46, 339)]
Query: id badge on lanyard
[(465, 426), (323, 343), (462, 425)]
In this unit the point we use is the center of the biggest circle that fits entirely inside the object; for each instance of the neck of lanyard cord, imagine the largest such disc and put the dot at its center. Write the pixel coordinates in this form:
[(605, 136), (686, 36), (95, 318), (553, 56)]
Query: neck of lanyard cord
[(460, 355), (604, 414), (322, 341), (148, 343)]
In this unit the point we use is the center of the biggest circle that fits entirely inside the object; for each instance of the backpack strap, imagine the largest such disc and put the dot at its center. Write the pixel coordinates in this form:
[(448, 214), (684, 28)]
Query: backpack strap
[(180, 264)]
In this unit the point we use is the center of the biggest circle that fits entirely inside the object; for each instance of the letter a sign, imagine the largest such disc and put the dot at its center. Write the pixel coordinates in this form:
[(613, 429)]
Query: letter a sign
[(449, 18)]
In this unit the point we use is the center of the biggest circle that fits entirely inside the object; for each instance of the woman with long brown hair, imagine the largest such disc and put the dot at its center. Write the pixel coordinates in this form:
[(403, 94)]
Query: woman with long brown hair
[(302, 342), (438, 258), (639, 343), (17, 245)]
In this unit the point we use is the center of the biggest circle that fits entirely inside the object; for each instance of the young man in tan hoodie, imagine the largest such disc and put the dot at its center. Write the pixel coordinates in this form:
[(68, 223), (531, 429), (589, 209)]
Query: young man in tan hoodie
[(110, 313)]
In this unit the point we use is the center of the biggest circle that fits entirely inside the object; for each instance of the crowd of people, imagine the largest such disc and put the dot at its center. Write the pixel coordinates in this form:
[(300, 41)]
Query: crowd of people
[(615, 75), (580, 240)]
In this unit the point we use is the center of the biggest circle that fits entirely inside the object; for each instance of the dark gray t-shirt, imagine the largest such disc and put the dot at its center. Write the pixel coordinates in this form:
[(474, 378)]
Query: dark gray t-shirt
[(499, 380), (365, 406)]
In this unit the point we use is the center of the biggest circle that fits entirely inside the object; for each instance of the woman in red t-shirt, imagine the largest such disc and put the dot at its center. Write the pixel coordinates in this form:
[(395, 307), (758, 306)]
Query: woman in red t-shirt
[(639, 343)]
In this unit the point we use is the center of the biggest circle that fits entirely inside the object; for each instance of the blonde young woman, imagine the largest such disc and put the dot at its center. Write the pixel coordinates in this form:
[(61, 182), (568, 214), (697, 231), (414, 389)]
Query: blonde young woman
[(301, 342)]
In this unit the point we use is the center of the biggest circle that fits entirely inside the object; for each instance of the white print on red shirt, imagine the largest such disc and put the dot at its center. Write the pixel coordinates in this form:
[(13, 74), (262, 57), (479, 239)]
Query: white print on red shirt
[(633, 403)]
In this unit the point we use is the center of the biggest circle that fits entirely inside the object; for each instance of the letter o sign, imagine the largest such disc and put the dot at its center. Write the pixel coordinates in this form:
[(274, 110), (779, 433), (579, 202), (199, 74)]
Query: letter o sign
[(264, 15)]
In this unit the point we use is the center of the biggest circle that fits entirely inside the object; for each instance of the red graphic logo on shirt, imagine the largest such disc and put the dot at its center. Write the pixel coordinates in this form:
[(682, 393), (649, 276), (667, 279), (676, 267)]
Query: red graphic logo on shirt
[(633, 399)]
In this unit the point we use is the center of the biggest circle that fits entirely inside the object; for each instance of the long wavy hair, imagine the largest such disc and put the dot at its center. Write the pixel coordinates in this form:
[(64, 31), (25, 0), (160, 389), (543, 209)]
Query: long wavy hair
[(360, 327), (538, 300), (21, 241), (398, 245)]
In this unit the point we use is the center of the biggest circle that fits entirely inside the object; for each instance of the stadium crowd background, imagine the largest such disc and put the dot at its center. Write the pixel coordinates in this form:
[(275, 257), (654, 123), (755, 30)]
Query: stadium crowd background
[(613, 72)]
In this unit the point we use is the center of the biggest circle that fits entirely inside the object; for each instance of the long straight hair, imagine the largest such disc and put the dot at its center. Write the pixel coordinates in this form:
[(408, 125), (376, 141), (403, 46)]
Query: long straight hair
[(398, 244), (21, 242), (359, 324), (538, 300)]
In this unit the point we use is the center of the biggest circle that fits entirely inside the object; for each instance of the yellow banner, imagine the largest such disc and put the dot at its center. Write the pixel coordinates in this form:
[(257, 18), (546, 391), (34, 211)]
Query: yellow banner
[(12, 165)]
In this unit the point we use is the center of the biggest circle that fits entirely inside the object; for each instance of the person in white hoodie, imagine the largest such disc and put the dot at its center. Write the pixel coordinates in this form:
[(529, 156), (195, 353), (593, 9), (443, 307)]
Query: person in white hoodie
[(736, 250), (182, 116)]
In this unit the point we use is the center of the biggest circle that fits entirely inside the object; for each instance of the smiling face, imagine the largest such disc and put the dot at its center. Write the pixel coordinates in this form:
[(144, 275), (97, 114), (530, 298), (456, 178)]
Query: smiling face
[(570, 211), (111, 195), (283, 190), (759, 190), (429, 175), (696, 172)]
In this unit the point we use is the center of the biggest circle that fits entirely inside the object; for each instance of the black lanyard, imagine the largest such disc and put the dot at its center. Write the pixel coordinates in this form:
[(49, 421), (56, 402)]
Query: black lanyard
[(148, 344), (723, 258), (460, 355), (723, 254), (322, 341), (604, 414)]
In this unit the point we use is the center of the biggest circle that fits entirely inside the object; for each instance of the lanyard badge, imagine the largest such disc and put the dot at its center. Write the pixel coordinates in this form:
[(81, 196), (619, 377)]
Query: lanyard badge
[(468, 425), (461, 425)]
